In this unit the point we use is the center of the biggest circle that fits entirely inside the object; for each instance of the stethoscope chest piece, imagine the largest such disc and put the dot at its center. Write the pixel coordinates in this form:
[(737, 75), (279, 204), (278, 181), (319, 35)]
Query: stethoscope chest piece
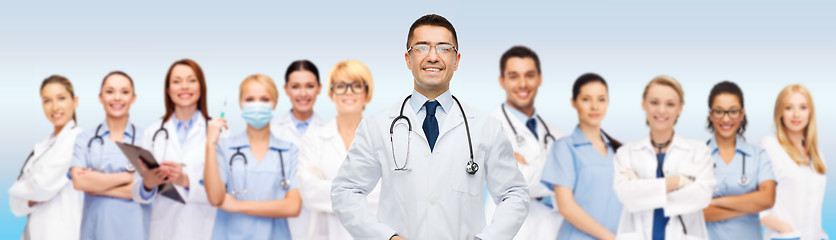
[(520, 140), (743, 180), (285, 184), (472, 167)]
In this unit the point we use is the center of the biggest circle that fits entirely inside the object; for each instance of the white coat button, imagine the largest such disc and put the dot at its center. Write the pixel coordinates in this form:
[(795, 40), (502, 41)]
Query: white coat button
[(432, 201), (426, 154)]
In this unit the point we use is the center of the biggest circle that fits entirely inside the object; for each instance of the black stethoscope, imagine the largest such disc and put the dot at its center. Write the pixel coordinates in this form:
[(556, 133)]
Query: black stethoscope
[(31, 154), (285, 184), (165, 132), (128, 166), (520, 138), (471, 167), (743, 179)]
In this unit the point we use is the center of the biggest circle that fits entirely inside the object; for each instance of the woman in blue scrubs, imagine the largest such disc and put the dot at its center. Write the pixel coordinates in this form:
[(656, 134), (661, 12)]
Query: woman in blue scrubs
[(251, 177), (580, 167), (101, 170), (745, 183)]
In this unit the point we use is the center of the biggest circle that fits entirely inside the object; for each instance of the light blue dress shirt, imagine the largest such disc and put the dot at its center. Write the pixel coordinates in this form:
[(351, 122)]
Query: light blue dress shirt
[(262, 184), (183, 127), (106, 217), (521, 116), (573, 163), (446, 103), (758, 170), (301, 126)]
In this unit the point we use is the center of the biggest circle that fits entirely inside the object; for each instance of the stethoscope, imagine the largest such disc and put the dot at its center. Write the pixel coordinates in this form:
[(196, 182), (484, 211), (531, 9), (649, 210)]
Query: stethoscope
[(31, 154), (128, 166), (471, 167), (165, 132), (285, 184), (520, 138), (743, 179)]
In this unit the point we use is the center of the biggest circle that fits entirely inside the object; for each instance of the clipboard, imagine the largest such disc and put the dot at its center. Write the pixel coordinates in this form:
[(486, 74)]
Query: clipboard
[(134, 154)]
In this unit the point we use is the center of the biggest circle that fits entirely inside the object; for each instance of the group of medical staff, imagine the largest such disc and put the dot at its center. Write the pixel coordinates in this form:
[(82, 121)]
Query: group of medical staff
[(429, 167)]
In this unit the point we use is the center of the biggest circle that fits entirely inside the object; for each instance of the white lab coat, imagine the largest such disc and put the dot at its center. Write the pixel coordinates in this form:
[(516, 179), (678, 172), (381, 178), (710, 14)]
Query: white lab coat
[(171, 219), (57, 215), (641, 196), (542, 222), (283, 128), (798, 197), (321, 154), (436, 198)]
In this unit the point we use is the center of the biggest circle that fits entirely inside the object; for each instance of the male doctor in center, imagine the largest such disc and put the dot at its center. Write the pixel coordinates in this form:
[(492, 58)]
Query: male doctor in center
[(530, 135), (420, 149)]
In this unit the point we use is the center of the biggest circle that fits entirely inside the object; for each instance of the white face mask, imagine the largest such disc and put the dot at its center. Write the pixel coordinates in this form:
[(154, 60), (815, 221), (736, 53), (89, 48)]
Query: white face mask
[(257, 114)]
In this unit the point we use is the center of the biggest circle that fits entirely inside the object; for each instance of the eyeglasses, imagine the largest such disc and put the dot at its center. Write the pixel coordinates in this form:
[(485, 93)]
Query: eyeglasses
[(342, 87), (441, 49), (719, 113)]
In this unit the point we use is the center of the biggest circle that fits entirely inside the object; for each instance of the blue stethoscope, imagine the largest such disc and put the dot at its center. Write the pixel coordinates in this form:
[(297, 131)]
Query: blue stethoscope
[(128, 166), (743, 179), (471, 167), (520, 138), (285, 184)]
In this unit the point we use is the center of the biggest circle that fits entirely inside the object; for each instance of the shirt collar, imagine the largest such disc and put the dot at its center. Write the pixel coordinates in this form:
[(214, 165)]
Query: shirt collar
[(739, 144), (129, 129), (296, 122), (243, 141), (676, 142), (519, 115), (578, 138), (417, 101), (189, 123)]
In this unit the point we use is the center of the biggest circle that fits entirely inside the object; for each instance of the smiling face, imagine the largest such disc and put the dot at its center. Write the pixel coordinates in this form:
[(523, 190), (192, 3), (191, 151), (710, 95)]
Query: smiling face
[(796, 113), (592, 104), (352, 101), (117, 95), (432, 71), (302, 88), (662, 107), (58, 103), (726, 126), (184, 87), (520, 82)]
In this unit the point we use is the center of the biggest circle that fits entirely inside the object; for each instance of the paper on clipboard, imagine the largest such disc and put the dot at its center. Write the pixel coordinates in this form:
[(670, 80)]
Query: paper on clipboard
[(135, 153)]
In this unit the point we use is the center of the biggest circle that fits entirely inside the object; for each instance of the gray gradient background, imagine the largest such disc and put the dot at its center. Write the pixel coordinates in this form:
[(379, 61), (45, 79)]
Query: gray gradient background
[(761, 45)]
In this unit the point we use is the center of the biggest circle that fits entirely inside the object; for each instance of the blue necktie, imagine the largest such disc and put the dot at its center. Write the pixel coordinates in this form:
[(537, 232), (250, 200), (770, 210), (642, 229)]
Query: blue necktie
[(532, 126), (431, 123)]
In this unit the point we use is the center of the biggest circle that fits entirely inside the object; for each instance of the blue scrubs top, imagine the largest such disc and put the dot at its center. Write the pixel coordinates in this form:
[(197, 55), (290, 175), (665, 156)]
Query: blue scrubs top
[(262, 184), (573, 163), (758, 170), (106, 217)]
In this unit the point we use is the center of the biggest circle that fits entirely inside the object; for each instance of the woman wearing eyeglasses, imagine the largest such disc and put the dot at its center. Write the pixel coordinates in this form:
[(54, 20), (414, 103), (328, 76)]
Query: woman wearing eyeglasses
[(745, 185), (664, 180), (324, 149), (251, 177), (799, 168)]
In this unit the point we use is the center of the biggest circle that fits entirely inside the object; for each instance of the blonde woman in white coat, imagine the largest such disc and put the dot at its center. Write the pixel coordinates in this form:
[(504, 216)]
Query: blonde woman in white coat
[(180, 143), (42, 190), (664, 181), (799, 169), (324, 149)]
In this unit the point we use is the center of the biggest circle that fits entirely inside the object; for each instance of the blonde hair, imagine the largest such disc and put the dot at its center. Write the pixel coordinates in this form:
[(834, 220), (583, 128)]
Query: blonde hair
[(353, 70), (810, 136), (667, 81), (263, 80)]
